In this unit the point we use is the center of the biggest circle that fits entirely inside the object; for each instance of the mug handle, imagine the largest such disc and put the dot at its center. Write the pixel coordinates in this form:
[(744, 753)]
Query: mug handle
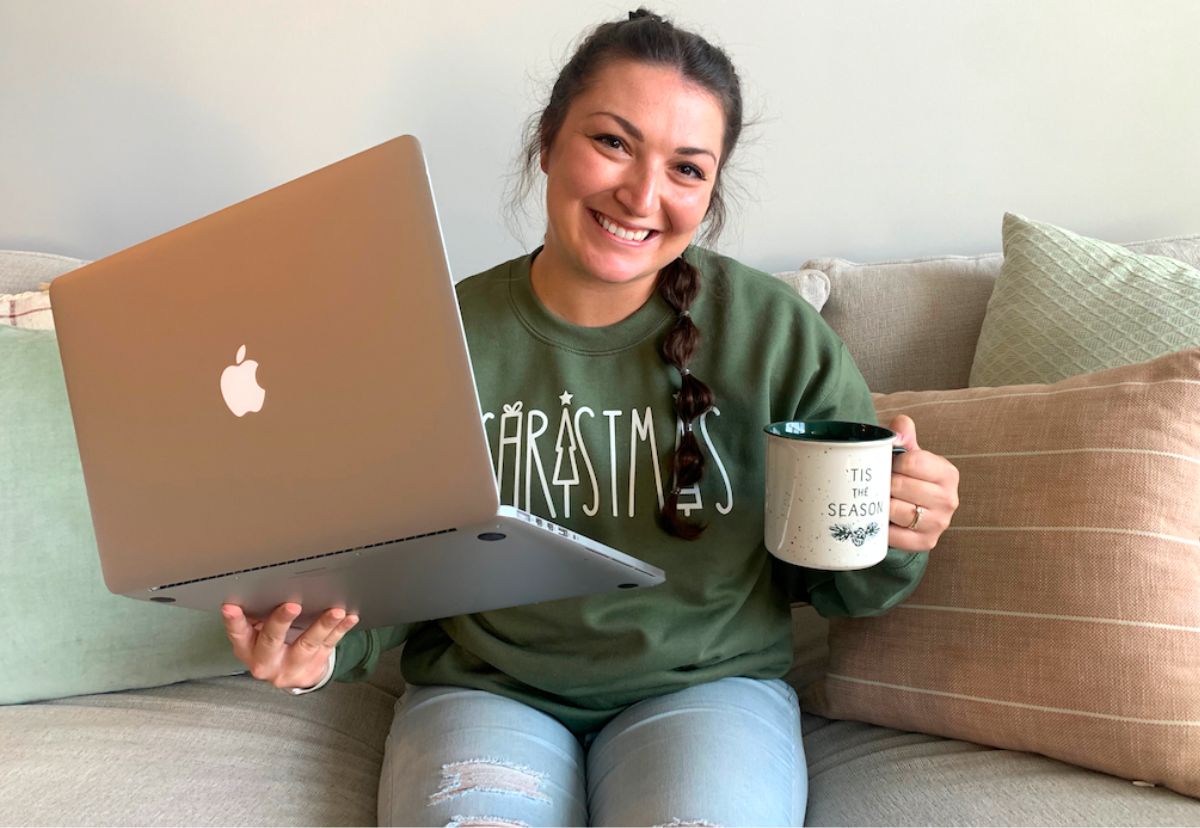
[(898, 450)]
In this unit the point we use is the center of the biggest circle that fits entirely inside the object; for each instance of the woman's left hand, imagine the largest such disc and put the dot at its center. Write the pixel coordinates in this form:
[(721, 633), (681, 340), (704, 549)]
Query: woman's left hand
[(919, 478)]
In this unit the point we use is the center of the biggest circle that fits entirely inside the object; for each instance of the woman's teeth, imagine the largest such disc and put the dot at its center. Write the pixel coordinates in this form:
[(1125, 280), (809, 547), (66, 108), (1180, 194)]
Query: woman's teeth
[(619, 231)]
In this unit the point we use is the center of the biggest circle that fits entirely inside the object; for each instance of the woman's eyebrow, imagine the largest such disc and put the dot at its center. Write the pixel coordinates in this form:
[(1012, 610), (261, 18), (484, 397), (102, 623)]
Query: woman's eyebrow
[(637, 134)]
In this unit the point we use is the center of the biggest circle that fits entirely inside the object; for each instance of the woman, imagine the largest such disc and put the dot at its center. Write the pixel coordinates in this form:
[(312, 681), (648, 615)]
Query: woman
[(612, 353)]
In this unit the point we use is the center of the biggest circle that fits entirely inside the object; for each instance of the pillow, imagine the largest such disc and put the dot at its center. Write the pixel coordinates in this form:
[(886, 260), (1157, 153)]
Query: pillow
[(25, 270), (1060, 612), (912, 324), (1065, 305), (813, 285), (27, 310), (65, 634)]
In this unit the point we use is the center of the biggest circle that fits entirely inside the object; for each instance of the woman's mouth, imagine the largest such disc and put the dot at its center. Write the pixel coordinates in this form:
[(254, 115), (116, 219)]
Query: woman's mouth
[(620, 231)]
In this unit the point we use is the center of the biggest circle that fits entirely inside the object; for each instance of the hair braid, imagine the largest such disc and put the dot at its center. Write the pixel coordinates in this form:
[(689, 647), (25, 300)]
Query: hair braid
[(679, 284)]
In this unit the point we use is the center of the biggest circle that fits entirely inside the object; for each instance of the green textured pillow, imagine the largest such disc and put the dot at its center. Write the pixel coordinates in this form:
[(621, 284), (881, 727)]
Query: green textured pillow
[(64, 633), (1065, 305)]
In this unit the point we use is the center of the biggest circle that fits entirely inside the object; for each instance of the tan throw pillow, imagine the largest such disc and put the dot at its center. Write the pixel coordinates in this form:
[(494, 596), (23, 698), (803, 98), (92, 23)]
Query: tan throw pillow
[(1060, 613)]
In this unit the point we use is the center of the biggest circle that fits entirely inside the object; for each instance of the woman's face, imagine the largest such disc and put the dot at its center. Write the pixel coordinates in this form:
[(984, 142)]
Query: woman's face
[(631, 172)]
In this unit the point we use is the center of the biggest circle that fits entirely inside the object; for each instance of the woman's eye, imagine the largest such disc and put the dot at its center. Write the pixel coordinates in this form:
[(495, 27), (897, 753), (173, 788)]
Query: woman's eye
[(691, 171), (610, 141)]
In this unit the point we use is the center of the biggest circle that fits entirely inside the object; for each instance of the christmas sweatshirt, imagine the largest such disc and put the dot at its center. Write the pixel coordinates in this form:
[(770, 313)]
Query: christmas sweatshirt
[(581, 425)]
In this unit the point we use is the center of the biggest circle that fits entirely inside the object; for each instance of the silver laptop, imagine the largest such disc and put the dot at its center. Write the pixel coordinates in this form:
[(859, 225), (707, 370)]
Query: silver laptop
[(275, 403)]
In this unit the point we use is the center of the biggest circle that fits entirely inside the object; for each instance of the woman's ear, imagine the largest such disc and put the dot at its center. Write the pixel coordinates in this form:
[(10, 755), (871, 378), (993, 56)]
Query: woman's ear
[(543, 157)]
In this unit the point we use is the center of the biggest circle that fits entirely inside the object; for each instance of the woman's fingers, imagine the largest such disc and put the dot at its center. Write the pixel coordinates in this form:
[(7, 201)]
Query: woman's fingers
[(240, 633), (308, 657), (919, 464), (279, 654), (340, 631), (930, 481), (310, 643), (909, 491), (273, 637)]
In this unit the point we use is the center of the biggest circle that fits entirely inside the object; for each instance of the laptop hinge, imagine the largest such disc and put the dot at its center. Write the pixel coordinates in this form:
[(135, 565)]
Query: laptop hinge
[(300, 560)]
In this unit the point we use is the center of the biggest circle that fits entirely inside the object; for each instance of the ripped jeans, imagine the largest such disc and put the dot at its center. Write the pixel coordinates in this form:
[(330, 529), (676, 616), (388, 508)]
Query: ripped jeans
[(724, 753)]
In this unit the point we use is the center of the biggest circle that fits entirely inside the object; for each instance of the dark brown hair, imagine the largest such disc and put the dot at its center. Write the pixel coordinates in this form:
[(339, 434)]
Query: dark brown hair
[(648, 38)]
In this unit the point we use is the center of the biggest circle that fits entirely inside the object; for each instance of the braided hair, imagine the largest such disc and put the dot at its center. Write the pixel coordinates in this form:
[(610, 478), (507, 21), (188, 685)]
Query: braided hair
[(646, 37)]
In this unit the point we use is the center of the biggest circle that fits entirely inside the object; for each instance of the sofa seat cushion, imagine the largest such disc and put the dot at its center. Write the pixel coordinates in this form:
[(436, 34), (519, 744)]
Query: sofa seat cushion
[(860, 774), (224, 751)]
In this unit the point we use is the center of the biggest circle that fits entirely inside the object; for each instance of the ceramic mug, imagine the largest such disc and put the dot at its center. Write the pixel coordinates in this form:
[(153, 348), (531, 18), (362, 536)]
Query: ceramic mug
[(828, 487)]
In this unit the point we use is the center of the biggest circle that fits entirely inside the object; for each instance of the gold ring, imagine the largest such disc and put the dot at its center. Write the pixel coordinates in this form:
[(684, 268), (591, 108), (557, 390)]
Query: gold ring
[(920, 510)]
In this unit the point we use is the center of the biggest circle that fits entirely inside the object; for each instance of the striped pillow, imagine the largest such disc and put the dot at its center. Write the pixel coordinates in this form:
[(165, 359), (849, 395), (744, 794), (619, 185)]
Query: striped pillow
[(1060, 613), (29, 310)]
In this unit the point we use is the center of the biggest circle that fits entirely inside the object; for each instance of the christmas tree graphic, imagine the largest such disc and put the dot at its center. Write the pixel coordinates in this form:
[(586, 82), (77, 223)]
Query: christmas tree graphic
[(565, 447)]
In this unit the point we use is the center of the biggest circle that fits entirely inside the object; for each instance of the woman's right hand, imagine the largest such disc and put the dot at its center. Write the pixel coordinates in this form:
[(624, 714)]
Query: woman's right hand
[(263, 646)]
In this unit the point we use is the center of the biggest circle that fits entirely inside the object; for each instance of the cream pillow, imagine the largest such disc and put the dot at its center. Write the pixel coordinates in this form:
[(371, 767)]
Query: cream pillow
[(29, 310), (1065, 305), (812, 285), (1060, 613)]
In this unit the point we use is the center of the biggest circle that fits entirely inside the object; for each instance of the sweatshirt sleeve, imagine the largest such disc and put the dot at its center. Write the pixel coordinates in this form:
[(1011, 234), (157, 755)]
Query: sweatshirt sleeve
[(359, 650), (842, 394)]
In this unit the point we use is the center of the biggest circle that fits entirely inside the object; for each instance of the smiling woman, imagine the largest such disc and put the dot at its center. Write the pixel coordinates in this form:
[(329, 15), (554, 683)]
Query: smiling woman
[(634, 707)]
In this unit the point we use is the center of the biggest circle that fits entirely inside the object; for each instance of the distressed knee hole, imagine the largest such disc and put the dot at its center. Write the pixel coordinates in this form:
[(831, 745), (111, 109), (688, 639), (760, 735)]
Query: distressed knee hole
[(481, 821), (687, 823), (489, 776)]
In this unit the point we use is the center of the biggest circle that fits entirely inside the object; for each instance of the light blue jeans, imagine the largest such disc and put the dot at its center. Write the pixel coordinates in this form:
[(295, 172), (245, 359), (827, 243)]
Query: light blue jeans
[(724, 753)]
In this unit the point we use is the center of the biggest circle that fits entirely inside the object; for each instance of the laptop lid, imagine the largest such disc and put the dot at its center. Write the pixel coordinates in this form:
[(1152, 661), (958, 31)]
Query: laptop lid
[(328, 293)]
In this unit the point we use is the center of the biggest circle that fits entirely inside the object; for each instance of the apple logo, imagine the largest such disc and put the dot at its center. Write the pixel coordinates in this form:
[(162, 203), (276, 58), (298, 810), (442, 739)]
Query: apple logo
[(239, 385)]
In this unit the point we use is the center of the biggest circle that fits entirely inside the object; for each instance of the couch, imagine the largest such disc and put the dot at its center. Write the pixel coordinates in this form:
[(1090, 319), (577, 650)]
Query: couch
[(233, 751)]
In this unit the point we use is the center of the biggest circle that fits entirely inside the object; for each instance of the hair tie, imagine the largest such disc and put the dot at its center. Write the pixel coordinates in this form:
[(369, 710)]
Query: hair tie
[(687, 427), (683, 372), (686, 313), (642, 13)]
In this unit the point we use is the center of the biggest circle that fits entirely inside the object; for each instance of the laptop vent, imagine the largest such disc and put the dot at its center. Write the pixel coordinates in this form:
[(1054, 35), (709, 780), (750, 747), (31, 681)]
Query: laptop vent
[(299, 560)]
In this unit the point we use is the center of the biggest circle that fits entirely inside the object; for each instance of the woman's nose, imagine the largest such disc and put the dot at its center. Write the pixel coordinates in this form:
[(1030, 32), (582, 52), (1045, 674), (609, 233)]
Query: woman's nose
[(638, 193)]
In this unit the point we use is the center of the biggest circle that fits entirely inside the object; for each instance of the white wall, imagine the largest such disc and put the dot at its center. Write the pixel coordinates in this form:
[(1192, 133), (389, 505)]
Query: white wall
[(886, 128)]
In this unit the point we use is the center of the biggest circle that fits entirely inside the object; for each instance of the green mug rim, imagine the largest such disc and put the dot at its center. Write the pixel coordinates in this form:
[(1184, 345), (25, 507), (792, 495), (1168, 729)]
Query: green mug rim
[(836, 432)]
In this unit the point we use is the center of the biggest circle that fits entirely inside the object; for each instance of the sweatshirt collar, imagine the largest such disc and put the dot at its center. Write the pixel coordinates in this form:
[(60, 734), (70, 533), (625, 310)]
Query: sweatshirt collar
[(645, 322)]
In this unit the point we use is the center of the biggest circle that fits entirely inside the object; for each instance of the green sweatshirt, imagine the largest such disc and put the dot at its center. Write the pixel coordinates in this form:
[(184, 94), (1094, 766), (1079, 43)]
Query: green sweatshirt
[(581, 426)]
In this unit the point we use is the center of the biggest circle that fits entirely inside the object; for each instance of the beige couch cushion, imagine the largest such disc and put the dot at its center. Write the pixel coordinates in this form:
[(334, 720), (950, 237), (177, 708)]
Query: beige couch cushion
[(859, 774), (230, 751), (1060, 614), (913, 324)]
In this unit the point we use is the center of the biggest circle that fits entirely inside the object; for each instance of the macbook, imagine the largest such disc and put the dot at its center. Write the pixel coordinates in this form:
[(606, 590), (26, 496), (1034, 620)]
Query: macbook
[(275, 403)]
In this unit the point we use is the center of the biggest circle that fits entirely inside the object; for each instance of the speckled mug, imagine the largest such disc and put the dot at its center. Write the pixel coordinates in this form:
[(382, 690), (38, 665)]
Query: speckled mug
[(828, 487)]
